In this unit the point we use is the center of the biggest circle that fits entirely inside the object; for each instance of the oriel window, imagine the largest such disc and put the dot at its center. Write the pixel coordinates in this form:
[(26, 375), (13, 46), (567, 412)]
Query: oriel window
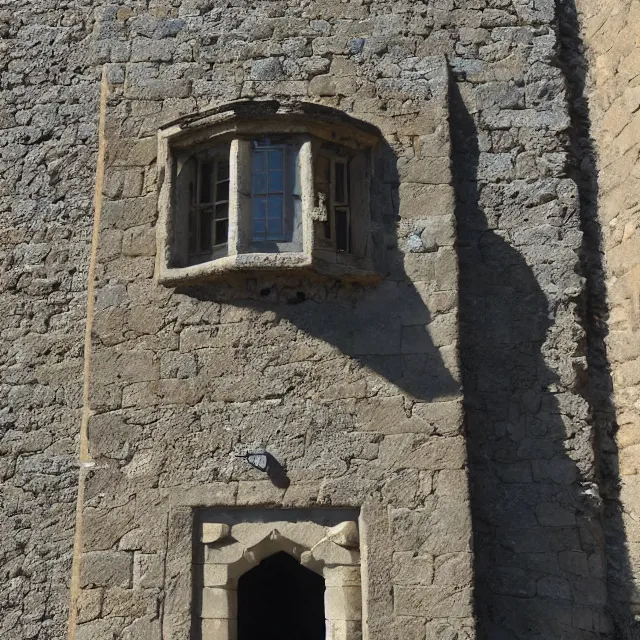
[(261, 192)]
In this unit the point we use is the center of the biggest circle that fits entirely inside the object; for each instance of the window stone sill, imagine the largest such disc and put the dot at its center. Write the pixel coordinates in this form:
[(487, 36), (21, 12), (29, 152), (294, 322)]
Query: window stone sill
[(348, 268)]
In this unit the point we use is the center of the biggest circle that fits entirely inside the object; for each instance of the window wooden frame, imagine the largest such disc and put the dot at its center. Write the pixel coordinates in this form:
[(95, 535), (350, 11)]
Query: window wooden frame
[(198, 249), (336, 203)]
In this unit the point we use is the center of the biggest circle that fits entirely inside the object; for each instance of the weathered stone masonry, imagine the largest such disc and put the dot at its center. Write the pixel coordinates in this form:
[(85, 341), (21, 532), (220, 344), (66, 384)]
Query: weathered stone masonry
[(609, 33), (48, 123), (356, 388)]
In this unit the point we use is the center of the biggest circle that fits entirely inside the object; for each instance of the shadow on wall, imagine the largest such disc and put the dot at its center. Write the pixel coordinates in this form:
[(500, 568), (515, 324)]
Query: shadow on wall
[(537, 540), (380, 327), (620, 575)]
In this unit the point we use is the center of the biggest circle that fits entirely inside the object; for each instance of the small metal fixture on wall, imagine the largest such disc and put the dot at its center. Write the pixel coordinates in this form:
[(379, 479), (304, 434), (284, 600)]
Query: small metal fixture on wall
[(258, 459), (265, 462)]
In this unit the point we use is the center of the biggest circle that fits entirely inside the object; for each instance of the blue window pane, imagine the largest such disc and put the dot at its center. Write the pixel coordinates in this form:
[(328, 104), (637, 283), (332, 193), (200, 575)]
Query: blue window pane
[(275, 206), (275, 181), (268, 186), (275, 159), (274, 229), (259, 218), (259, 208), (259, 183), (259, 229), (259, 160), (275, 218)]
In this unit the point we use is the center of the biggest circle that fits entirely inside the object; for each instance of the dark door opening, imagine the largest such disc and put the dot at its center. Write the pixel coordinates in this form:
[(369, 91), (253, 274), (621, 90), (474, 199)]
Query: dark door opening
[(281, 600)]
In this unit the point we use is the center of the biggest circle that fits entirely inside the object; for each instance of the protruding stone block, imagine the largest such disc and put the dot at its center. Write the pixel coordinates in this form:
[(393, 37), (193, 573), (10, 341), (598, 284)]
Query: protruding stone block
[(107, 569), (344, 630), (342, 576), (331, 554), (147, 570), (215, 575), (345, 534), (214, 531), (224, 629), (433, 602)]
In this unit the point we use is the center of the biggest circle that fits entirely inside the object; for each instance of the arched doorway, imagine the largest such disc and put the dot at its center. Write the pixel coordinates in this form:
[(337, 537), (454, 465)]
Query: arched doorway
[(281, 600)]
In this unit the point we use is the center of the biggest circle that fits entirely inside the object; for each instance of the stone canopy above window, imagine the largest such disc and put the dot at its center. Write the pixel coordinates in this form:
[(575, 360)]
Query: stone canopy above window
[(263, 186)]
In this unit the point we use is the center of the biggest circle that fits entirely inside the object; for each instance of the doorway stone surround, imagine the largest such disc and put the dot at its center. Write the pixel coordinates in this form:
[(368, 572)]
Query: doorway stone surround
[(213, 549), (229, 552)]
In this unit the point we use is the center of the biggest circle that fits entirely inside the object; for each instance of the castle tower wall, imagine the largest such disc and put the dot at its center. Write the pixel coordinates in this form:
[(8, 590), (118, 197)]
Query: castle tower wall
[(442, 409), (48, 143)]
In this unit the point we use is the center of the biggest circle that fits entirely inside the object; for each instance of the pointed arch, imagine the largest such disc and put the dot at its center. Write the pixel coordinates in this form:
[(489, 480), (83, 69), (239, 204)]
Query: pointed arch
[(309, 559), (279, 599)]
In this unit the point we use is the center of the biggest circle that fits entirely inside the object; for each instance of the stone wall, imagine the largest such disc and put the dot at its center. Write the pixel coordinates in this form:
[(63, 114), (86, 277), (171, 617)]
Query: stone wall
[(611, 33), (361, 402), (48, 122), (354, 389)]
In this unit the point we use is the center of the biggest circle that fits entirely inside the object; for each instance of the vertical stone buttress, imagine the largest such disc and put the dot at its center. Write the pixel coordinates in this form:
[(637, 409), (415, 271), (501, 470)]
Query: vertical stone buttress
[(355, 388), (539, 548)]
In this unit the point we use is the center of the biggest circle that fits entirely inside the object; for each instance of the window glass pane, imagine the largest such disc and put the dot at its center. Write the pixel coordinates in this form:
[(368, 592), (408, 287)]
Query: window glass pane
[(268, 192), (275, 159), (259, 208), (260, 183), (206, 178), (222, 210), (323, 170), (259, 228), (206, 220), (275, 207), (222, 229), (259, 160), (259, 218), (223, 170), (341, 179), (275, 218), (342, 230), (222, 191), (193, 231), (274, 232), (275, 181)]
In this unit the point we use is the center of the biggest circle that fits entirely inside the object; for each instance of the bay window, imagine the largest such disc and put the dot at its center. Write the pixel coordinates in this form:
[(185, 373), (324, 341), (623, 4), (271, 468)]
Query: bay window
[(240, 193)]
